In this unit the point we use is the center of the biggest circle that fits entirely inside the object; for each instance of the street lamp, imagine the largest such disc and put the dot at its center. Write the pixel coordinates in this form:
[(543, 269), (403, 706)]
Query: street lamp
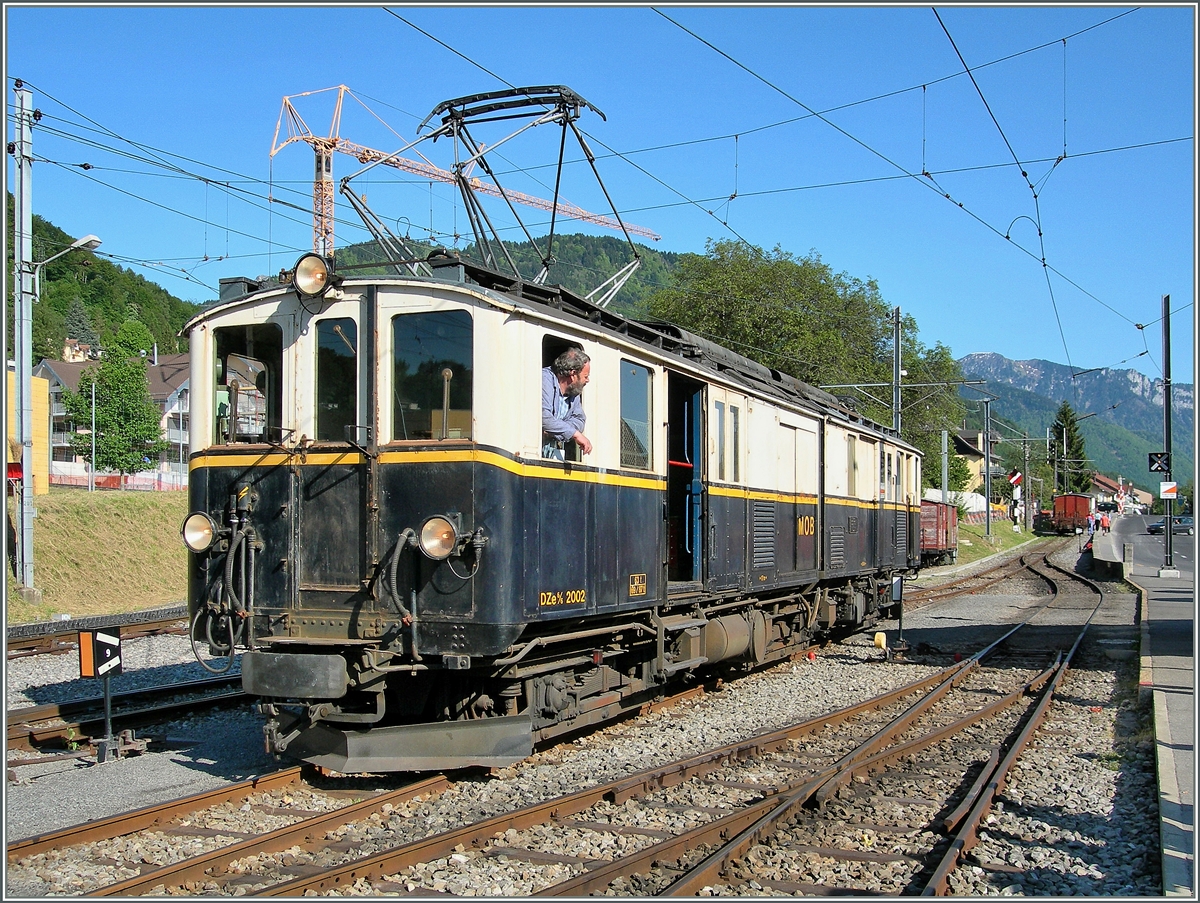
[(25, 412)]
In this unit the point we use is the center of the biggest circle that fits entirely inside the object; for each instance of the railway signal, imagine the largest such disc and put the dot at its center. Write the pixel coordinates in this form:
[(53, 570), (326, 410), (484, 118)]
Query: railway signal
[(100, 656)]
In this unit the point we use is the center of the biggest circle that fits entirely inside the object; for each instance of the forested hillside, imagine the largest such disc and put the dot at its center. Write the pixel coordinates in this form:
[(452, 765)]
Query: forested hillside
[(86, 297), (581, 263)]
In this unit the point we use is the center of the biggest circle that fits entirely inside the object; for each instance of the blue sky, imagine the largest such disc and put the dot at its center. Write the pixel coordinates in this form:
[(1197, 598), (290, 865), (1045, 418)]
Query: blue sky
[(702, 102)]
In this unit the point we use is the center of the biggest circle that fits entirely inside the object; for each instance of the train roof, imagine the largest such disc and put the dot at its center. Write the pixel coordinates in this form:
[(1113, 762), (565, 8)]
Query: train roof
[(662, 336)]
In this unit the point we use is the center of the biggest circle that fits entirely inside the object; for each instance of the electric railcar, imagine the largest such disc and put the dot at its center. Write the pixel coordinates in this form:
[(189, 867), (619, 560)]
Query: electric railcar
[(415, 587)]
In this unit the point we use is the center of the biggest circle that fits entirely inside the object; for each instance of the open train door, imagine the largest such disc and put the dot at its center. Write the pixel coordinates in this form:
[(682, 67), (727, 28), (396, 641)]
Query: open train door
[(685, 483)]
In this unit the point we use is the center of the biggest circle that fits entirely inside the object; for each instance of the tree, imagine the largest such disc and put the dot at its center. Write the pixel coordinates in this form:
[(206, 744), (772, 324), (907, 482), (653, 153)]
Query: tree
[(109, 293), (958, 472), (79, 324), (791, 314), (128, 423), (1067, 452), (798, 316)]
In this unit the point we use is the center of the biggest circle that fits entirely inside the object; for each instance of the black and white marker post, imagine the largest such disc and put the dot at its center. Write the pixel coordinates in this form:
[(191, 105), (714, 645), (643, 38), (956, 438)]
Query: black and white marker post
[(100, 656)]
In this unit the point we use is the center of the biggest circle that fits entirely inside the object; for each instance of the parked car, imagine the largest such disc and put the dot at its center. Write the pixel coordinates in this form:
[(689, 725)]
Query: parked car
[(1178, 525)]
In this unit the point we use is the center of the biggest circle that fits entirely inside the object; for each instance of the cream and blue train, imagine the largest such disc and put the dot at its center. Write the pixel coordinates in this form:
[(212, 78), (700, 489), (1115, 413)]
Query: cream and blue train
[(412, 586)]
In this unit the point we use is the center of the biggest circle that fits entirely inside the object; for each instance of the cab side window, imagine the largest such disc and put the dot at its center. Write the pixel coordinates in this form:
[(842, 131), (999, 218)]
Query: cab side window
[(636, 409)]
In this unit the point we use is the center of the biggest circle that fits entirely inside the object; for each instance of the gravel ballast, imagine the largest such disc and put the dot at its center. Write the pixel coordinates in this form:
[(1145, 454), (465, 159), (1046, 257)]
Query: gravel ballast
[(1078, 817)]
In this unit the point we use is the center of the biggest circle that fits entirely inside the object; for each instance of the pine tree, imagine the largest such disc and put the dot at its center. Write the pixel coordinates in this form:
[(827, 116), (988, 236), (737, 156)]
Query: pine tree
[(79, 324), (1068, 453)]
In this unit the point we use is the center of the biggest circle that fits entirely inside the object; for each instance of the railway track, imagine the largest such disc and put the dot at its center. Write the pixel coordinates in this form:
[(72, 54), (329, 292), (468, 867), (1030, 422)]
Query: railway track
[(979, 581), (888, 794), (74, 726), (59, 637)]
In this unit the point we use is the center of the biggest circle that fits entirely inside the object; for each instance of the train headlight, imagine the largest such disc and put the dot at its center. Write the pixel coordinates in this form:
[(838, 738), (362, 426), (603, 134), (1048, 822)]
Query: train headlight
[(312, 276), (199, 531), (439, 538)]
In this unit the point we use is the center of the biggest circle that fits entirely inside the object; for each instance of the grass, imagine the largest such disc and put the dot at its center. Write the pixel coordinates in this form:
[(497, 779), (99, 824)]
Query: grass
[(103, 552), (974, 544)]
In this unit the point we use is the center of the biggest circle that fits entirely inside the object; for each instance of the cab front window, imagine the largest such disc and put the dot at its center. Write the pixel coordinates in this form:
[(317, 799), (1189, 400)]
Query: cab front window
[(432, 375), (337, 378)]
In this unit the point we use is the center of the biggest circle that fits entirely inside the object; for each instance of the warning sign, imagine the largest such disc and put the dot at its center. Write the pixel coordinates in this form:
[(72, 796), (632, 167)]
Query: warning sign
[(1168, 490)]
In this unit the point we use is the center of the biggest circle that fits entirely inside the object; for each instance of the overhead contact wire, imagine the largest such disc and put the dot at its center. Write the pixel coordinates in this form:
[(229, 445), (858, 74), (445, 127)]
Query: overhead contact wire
[(1024, 175)]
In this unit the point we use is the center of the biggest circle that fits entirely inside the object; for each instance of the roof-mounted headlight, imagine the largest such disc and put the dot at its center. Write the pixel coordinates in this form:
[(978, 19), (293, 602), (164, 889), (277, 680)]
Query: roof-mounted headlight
[(439, 538), (199, 531), (313, 276)]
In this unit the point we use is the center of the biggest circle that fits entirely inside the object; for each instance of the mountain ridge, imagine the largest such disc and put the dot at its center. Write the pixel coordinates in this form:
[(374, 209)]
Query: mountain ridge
[(1127, 406)]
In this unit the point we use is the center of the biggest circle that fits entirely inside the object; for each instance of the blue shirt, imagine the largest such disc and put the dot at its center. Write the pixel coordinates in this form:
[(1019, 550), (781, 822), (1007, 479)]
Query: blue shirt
[(562, 417)]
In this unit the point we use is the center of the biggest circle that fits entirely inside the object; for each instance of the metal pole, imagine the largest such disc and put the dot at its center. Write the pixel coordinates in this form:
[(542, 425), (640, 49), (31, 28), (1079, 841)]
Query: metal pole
[(1066, 472), (1050, 451), (1025, 493), (987, 466), (896, 372), (92, 468), (23, 277), (1169, 559), (945, 467)]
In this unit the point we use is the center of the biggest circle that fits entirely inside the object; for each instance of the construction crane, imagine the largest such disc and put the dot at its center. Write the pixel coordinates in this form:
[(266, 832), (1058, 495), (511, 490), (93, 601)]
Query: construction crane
[(324, 147)]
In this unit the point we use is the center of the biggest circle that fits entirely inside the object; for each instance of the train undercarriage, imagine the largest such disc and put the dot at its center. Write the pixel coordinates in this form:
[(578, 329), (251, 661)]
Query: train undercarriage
[(377, 709)]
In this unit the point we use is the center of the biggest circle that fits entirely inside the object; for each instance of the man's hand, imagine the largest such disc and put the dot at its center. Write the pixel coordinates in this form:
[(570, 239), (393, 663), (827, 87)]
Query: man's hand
[(584, 443)]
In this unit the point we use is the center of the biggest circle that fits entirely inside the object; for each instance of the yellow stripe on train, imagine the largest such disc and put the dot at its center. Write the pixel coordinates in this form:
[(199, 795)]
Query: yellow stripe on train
[(546, 471)]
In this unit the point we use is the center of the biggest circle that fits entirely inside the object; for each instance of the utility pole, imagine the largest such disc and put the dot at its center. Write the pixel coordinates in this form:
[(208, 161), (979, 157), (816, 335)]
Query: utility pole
[(1168, 568), (896, 371), (1025, 495), (987, 466), (23, 284), (945, 466)]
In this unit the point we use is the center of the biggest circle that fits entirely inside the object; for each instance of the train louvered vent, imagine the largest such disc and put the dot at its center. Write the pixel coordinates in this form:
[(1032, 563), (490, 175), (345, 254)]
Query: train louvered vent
[(764, 536), (902, 531), (837, 547)]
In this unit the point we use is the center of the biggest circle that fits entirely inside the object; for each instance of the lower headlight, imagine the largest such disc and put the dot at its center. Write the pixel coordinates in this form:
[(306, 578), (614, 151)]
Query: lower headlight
[(199, 531), (438, 538)]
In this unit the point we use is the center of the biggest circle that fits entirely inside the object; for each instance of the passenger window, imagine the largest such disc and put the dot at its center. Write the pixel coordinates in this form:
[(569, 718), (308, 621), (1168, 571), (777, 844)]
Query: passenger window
[(337, 378), (636, 408), (432, 355), (720, 440), (852, 467), (249, 385), (733, 441)]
